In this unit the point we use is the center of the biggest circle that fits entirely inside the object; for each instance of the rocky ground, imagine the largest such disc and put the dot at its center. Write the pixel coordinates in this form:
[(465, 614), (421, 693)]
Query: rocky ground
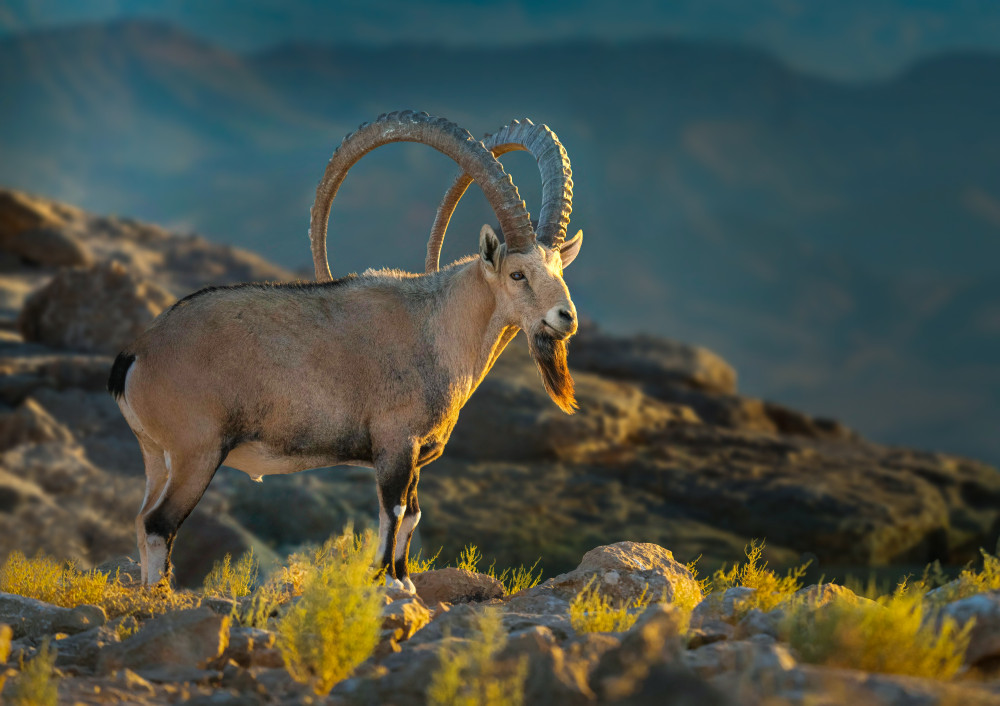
[(202, 654), (664, 450)]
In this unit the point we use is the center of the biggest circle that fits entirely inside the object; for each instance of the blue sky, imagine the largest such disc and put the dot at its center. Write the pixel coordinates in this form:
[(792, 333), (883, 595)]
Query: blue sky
[(844, 39)]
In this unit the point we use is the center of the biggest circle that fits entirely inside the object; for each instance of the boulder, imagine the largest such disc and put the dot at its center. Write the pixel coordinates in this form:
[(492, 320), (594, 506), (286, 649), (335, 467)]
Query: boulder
[(189, 638), (35, 230), (984, 608), (553, 676), (404, 617), (83, 649), (451, 585), (29, 617), (756, 659), (252, 647), (98, 309), (31, 423), (655, 638), (653, 362)]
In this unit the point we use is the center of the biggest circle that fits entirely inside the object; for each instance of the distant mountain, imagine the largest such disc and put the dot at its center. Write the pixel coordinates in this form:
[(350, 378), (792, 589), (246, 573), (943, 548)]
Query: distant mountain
[(839, 243)]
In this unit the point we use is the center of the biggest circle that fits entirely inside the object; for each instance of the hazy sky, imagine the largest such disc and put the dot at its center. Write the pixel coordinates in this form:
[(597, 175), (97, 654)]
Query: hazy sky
[(847, 39)]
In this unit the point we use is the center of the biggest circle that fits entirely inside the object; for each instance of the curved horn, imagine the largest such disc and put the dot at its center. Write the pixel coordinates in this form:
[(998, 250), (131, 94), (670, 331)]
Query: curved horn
[(444, 136), (557, 185)]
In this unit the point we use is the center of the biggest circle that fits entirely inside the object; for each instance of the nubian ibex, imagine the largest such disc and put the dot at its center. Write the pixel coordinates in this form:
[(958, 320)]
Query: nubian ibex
[(366, 370)]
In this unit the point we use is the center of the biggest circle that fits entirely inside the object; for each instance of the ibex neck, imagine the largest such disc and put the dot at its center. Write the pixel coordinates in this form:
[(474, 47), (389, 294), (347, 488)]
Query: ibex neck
[(470, 333)]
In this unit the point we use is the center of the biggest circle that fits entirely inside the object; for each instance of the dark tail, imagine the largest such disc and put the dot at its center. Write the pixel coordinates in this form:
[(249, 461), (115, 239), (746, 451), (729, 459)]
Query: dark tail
[(116, 381)]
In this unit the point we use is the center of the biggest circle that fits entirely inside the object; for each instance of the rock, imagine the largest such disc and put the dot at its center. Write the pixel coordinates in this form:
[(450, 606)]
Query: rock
[(671, 684), (822, 594), (653, 362), (126, 569), (37, 232), (749, 659), (756, 622), (553, 677), (984, 608), (511, 398), (729, 606), (189, 638), (83, 649), (623, 572), (30, 423), (34, 618), (451, 585), (709, 630), (404, 617), (655, 638), (98, 309)]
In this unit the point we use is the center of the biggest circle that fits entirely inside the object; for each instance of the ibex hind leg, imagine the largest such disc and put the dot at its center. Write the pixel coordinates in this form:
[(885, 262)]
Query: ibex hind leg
[(394, 475), (188, 476), (156, 479)]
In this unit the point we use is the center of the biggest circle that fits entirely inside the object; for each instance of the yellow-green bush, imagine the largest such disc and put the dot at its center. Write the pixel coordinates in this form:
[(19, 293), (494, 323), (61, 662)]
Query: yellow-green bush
[(519, 579), (469, 558), (47, 580), (335, 624), (688, 593), (231, 581), (6, 634), (969, 581), (770, 590), (889, 636), (590, 611), (472, 676), (35, 685), (419, 565)]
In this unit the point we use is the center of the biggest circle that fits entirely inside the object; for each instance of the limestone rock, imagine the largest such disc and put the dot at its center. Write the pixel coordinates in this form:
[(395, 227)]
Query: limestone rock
[(99, 309), (83, 649), (655, 638), (404, 617), (984, 608), (36, 231), (31, 423), (451, 585), (729, 606), (33, 618), (553, 676), (749, 658), (187, 638)]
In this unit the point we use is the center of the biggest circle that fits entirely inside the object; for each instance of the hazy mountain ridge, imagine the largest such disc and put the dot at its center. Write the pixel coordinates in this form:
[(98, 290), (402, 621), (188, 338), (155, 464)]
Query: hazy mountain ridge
[(838, 242)]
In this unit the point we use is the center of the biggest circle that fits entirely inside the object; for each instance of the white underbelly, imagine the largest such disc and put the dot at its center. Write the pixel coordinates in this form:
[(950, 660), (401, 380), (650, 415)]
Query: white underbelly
[(257, 460)]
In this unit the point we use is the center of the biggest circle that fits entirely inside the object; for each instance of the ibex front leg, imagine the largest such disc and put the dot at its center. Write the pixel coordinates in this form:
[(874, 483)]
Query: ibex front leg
[(396, 482)]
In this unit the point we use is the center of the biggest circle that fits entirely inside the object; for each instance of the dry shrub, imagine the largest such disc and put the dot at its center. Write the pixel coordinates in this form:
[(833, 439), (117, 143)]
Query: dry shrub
[(35, 685), (591, 611), (228, 581), (47, 580), (770, 590), (472, 676), (892, 635), (335, 624)]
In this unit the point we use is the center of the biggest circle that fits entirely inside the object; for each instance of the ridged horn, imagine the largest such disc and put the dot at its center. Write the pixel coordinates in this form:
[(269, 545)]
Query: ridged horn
[(442, 135), (557, 185)]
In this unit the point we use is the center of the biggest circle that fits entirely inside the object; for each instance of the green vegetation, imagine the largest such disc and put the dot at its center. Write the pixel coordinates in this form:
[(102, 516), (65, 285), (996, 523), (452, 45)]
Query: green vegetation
[(335, 624), (6, 634), (770, 590), (519, 579), (35, 685), (688, 593), (590, 611), (47, 580), (472, 676), (227, 581), (889, 635), (469, 559), (419, 565)]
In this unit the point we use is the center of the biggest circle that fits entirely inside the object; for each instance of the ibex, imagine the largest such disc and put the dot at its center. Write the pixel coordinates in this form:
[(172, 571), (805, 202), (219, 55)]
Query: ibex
[(367, 370)]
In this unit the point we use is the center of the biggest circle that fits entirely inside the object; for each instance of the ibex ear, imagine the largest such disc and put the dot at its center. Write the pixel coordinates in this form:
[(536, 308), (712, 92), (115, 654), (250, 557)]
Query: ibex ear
[(571, 248), (489, 247)]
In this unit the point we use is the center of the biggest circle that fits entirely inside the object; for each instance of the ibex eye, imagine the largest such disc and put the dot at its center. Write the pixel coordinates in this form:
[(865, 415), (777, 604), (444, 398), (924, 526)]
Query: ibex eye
[(517, 276)]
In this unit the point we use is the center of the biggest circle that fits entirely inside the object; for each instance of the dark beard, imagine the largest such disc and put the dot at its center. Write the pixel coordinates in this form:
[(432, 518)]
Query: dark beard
[(550, 357)]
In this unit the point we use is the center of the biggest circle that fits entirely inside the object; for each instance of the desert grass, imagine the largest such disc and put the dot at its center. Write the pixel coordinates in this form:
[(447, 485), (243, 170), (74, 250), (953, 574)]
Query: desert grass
[(46, 579), (770, 590), (472, 676), (226, 580), (893, 635), (513, 579), (335, 624), (969, 582), (419, 565), (592, 611), (688, 593), (36, 684), (6, 635)]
